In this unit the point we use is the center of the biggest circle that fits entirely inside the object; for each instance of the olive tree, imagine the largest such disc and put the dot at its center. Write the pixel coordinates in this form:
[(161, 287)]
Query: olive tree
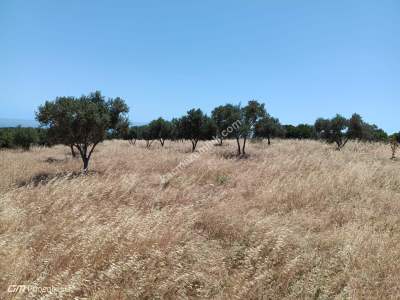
[(196, 126), (333, 130), (239, 120), (25, 137), (221, 118), (177, 129), (6, 138), (144, 133), (301, 131), (340, 130), (250, 115), (268, 127), (160, 130), (132, 135), (82, 122)]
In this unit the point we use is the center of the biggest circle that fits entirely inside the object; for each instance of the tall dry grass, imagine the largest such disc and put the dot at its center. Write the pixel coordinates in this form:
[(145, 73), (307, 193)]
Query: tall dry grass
[(296, 220)]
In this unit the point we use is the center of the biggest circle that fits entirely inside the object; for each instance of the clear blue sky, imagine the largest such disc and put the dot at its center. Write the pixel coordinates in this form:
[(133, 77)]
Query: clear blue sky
[(304, 59)]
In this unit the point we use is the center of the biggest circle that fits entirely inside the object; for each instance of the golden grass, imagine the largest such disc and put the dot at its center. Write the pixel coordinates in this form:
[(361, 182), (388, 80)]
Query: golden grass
[(296, 220)]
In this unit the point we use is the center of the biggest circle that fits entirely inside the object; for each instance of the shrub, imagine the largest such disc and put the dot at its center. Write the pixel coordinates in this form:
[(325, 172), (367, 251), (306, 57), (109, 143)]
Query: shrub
[(6, 138), (25, 137)]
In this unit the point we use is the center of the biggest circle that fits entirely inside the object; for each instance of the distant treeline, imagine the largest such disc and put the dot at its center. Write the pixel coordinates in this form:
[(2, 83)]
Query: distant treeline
[(81, 123), (23, 137), (162, 130), (330, 130)]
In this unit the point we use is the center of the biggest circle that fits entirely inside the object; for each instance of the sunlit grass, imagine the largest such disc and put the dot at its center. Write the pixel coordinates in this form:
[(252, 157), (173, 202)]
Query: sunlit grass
[(295, 220)]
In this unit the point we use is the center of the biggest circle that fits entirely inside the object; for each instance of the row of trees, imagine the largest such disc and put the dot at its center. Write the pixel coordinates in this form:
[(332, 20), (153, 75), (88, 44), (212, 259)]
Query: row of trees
[(340, 130), (226, 122), (82, 123), (253, 121), (19, 137)]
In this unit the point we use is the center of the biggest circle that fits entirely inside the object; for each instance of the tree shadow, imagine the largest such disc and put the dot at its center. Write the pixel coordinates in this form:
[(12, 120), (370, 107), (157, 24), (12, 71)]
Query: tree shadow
[(52, 160), (233, 155), (43, 178)]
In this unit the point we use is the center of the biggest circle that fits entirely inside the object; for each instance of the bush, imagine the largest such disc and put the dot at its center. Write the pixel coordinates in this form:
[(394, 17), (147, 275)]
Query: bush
[(25, 137), (6, 138), (22, 137), (43, 137)]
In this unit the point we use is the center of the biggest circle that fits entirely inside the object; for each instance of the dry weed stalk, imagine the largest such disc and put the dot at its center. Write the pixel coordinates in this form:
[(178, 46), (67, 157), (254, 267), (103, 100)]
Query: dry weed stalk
[(394, 145)]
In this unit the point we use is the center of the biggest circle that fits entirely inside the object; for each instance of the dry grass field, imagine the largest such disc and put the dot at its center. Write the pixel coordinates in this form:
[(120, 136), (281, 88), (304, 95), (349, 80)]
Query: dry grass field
[(296, 220)]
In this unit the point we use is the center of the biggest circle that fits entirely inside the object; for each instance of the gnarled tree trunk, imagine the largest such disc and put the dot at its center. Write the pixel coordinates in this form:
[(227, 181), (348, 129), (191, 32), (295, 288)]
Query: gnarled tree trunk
[(85, 153), (194, 144), (238, 145), (244, 146), (73, 153)]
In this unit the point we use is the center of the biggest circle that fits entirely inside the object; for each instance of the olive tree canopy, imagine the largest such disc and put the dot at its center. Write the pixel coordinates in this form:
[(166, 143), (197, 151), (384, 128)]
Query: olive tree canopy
[(82, 122)]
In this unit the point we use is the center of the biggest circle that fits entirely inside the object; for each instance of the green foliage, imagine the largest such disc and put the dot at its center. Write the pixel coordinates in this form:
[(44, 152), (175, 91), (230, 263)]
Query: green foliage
[(301, 131), (21, 137), (374, 134), (268, 127), (119, 123), (396, 137), (339, 130), (195, 126), (217, 115), (83, 122), (250, 121), (43, 138), (252, 113), (144, 133), (232, 114), (25, 137), (132, 135), (355, 127), (222, 179), (176, 129), (333, 130), (223, 117), (121, 131), (7, 137), (160, 130)]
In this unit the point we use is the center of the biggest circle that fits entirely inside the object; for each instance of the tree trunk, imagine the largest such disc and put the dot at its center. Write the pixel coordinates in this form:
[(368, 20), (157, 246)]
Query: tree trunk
[(345, 142), (238, 144), (162, 142), (269, 140), (85, 158), (85, 164), (73, 153), (338, 144), (194, 144), (244, 146), (83, 150)]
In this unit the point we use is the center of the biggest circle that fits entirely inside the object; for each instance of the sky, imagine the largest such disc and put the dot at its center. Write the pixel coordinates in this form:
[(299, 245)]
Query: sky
[(303, 59)]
